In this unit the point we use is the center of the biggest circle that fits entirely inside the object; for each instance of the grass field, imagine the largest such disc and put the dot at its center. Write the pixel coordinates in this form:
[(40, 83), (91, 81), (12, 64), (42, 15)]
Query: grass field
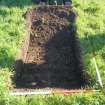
[(90, 22)]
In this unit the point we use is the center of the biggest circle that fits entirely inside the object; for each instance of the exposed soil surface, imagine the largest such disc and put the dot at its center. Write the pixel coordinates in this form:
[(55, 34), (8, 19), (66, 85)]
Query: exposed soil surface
[(51, 56)]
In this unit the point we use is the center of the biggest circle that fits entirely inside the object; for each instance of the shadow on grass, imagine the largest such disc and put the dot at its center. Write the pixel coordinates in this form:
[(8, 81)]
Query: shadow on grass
[(93, 43), (15, 3), (6, 61)]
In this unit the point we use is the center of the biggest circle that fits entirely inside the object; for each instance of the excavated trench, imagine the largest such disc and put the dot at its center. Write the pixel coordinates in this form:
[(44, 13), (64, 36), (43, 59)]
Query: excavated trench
[(51, 54)]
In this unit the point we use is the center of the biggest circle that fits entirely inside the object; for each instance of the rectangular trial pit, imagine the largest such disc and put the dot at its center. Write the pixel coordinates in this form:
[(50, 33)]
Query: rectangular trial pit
[(51, 54)]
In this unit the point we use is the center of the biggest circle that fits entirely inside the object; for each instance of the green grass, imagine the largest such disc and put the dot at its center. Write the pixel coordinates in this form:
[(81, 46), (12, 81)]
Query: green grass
[(86, 99), (90, 22)]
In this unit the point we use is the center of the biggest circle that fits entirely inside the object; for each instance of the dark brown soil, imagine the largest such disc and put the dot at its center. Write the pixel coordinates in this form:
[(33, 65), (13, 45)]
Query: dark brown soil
[(51, 56)]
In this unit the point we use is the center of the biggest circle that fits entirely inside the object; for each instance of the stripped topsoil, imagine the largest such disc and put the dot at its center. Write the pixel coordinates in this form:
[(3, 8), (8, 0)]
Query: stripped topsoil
[(51, 54)]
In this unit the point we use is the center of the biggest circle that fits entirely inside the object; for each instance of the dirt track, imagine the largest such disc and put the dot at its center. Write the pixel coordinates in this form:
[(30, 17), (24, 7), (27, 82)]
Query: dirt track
[(51, 56)]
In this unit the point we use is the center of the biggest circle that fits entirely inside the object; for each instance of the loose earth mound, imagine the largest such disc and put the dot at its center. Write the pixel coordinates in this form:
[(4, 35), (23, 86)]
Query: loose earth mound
[(51, 55)]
